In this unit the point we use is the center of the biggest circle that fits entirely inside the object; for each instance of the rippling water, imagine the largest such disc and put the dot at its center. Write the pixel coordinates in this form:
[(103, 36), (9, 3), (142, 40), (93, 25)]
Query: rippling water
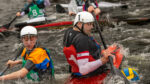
[(134, 39)]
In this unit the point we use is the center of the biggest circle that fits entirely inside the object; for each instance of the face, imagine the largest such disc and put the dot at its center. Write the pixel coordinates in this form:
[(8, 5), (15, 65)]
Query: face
[(87, 27), (29, 41), (29, 1)]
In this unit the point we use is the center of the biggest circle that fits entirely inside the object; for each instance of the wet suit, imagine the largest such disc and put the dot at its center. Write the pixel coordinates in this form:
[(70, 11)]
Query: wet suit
[(38, 63)]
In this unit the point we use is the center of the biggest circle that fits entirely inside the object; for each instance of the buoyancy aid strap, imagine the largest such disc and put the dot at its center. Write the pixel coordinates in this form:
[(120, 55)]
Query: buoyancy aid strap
[(73, 40), (65, 39), (51, 65)]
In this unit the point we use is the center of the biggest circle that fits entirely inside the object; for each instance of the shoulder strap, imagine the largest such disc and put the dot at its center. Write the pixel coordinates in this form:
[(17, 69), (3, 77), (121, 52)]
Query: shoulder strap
[(51, 65), (74, 38), (65, 37)]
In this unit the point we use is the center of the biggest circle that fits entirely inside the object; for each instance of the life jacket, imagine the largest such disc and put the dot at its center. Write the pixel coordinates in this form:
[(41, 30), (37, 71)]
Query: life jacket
[(34, 9), (43, 63), (71, 56)]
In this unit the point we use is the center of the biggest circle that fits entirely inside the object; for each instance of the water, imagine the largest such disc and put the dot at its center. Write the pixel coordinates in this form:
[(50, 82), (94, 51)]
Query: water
[(133, 38)]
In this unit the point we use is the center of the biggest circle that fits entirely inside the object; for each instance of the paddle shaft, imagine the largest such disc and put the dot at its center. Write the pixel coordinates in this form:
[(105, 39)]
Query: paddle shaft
[(8, 25), (18, 54), (105, 47), (13, 20), (102, 40)]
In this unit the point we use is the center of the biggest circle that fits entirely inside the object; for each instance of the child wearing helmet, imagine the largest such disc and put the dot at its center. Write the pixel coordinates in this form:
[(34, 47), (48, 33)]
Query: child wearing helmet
[(83, 53), (36, 61), (34, 8)]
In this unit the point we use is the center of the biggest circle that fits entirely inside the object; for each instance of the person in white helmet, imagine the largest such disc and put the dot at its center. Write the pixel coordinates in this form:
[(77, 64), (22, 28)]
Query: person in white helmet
[(87, 5), (36, 61), (83, 53)]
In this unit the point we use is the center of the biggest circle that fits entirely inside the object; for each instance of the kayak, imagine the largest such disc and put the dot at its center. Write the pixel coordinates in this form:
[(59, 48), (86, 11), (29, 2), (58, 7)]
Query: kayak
[(35, 21), (99, 79), (42, 23), (3, 29), (132, 21), (101, 4), (64, 24), (56, 24)]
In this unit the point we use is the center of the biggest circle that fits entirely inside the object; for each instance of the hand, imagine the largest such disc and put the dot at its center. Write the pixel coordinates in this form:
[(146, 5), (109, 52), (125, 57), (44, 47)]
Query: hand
[(106, 54), (11, 63), (18, 14), (90, 9), (97, 11), (72, 13)]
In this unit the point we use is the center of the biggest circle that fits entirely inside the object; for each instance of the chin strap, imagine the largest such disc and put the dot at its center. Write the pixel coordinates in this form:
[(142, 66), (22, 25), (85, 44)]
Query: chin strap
[(82, 28)]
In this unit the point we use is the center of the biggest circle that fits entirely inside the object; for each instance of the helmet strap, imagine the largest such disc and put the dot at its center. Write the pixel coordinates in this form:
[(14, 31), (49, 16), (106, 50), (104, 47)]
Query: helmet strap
[(82, 28)]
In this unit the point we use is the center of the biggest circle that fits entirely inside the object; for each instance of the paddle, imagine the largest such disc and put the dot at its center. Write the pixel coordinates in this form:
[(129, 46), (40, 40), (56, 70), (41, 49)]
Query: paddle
[(8, 25), (19, 51), (115, 71)]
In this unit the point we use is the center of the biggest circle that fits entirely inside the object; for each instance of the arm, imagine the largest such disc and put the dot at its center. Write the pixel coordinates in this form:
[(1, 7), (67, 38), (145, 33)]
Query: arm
[(18, 74), (83, 55), (94, 8), (47, 3), (72, 7), (86, 67), (23, 11), (20, 13)]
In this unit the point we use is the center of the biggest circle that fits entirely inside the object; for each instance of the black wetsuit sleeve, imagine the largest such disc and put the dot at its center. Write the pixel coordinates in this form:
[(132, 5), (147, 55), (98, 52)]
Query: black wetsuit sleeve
[(29, 65)]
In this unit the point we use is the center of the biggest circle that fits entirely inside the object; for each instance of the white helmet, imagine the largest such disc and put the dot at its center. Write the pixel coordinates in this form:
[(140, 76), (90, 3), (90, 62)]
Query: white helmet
[(84, 17), (28, 30)]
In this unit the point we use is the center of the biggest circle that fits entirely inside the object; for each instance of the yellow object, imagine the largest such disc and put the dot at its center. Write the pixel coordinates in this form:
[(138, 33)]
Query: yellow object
[(37, 56), (130, 74)]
